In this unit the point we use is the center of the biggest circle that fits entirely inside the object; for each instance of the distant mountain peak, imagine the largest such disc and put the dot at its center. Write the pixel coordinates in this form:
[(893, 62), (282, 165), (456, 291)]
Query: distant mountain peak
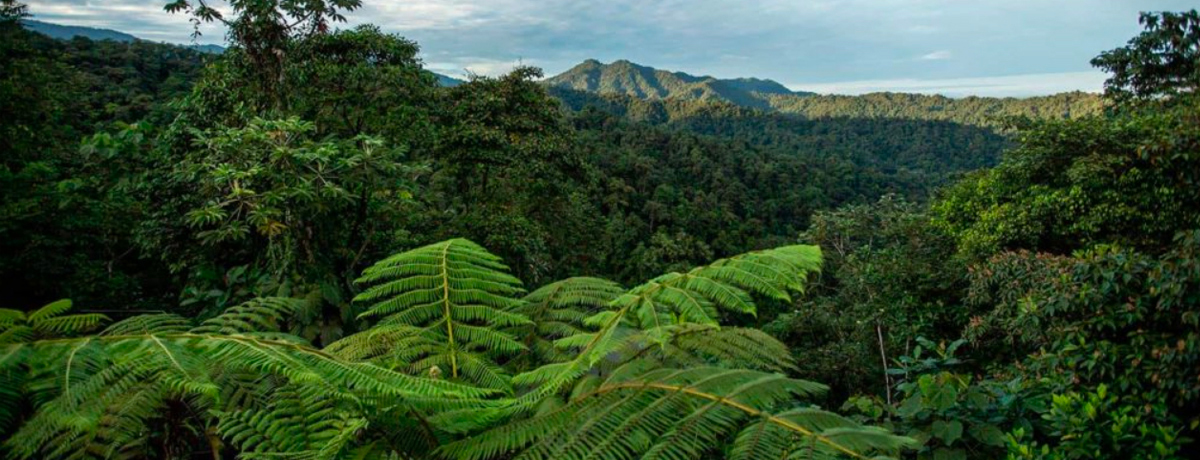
[(65, 32), (626, 77)]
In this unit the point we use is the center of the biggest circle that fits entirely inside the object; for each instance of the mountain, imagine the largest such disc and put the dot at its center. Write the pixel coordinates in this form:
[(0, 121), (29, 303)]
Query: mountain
[(210, 49), (624, 77), (670, 93), (447, 81), (62, 32)]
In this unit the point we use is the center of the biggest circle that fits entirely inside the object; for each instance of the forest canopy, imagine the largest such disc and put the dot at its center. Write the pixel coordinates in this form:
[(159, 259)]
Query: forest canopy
[(307, 248)]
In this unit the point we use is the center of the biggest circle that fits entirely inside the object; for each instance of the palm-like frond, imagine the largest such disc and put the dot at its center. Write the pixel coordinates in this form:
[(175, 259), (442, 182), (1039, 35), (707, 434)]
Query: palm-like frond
[(298, 420), (682, 414), (46, 322), (98, 393), (265, 314), (558, 310), (460, 296), (676, 298), (644, 373), (697, 345)]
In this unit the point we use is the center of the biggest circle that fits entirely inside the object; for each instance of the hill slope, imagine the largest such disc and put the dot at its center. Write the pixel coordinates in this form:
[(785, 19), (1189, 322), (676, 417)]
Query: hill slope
[(624, 77), (64, 32)]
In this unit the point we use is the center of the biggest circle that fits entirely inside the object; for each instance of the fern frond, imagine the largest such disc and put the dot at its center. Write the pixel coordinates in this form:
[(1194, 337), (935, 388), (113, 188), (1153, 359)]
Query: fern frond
[(91, 378), (45, 322), (295, 420), (694, 345), (264, 314), (692, 297), (70, 324), (460, 296), (9, 317), (162, 323), (558, 310), (678, 414), (50, 310)]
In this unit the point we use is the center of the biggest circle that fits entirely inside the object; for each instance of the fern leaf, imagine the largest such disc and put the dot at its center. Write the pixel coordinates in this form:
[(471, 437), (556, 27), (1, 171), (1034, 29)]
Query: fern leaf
[(50, 310), (163, 323), (265, 314), (670, 413), (460, 296), (671, 299), (70, 324)]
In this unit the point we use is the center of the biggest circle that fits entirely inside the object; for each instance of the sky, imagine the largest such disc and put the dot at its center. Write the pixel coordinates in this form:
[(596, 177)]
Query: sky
[(951, 47)]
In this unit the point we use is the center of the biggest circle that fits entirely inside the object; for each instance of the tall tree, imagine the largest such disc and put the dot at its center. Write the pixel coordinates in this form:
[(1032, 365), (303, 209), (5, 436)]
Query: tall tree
[(1162, 61), (263, 28)]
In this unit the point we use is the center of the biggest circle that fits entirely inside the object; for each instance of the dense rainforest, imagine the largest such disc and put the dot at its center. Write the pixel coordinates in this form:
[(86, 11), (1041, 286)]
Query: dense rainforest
[(307, 248)]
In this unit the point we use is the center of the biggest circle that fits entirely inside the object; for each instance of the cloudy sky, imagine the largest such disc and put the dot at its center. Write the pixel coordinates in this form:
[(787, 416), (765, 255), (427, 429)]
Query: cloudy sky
[(953, 47)]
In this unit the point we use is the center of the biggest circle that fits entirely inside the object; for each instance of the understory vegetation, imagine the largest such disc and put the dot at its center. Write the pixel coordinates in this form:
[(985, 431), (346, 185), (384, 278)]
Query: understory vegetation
[(305, 248)]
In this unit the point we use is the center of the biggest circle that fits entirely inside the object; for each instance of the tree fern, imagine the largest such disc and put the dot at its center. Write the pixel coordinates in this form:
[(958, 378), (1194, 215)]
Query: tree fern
[(46, 322), (298, 420), (652, 309), (680, 414), (460, 297), (643, 373), (697, 345), (558, 310), (99, 393)]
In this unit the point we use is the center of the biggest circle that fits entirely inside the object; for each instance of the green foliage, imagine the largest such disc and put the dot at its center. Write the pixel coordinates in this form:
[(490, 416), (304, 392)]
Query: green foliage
[(668, 413), (67, 214), (154, 382), (459, 298), (1097, 425), (238, 383), (951, 414), (47, 322), (653, 312), (503, 172), (1115, 318), (559, 310), (272, 182), (890, 276), (1124, 179), (263, 28), (631, 81), (253, 202), (1159, 62)]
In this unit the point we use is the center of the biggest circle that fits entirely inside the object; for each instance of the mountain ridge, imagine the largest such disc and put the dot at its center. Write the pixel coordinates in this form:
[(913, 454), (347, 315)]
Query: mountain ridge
[(623, 79), (67, 32), (628, 78)]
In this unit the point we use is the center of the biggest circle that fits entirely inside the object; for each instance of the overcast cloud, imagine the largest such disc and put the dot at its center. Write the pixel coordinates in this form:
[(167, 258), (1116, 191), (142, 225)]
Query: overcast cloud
[(953, 47)]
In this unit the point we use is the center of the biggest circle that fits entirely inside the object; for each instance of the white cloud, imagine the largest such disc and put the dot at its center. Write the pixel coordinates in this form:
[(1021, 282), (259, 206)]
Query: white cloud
[(464, 67), (1008, 86), (786, 40), (937, 56)]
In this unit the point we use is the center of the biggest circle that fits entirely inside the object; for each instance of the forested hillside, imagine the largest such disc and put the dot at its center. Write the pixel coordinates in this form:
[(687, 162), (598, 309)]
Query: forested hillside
[(627, 78), (310, 247), (676, 89)]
